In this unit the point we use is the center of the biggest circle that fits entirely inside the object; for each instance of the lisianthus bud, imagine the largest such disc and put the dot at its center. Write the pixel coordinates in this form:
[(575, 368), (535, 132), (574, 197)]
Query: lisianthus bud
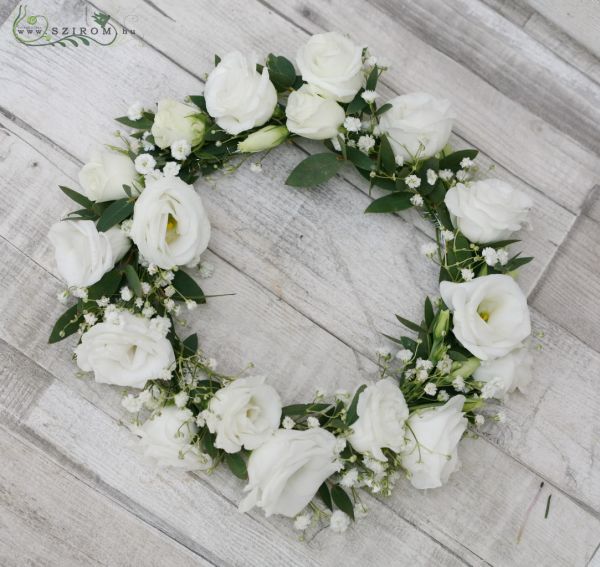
[(441, 325), (263, 139), (465, 369)]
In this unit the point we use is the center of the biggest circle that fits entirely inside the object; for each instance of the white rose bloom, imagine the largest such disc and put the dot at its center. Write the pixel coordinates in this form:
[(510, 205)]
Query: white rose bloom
[(417, 124), (244, 413), (431, 454), (332, 63), (382, 412), (103, 177), (170, 226), (286, 471), (491, 317), (127, 350), (175, 121), (310, 115), (166, 439), (487, 210), (508, 373), (83, 255), (237, 96)]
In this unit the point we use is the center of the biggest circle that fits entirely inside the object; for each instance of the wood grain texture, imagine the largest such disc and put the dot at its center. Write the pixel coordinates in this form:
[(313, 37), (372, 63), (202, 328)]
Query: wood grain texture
[(315, 282)]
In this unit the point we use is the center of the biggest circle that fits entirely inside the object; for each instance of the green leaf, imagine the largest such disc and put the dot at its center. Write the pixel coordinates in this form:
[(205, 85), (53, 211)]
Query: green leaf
[(453, 160), (190, 345), (397, 201), (382, 109), (117, 211), (383, 183), (357, 103), (81, 214), (281, 72), (325, 495), (314, 170), (386, 155), (199, 101), (360, 159), (342, 500), (351, 415), (106, 286), (303, 409), (77, 197), (455, 355), (143, 123), (372, 79), (409, 344), (515, 263), (429, 314), (500, 243), (134, 280), (410, 325), (66, 325), (237, 465), (217, 59), (187, 287), (208, 442)]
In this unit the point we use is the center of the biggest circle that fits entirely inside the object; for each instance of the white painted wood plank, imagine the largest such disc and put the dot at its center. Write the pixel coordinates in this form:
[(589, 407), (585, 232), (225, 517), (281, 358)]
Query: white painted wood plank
[(48, 517), (22, 329)]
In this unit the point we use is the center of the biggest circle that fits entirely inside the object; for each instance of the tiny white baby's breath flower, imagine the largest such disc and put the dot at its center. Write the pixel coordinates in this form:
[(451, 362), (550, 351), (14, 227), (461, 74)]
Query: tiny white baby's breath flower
[(171, 169), (90, 319), (490, 256), (168, 276), (350, 478), (181, 399), (148, 311), (501, 417), (352, 124), (383, 352), (103, 301), (191, 304), (445, 174), (180, 149), (412, 181), (131, 403), (370, 62), (206, 270), (152, 269), (466, 163), (443, 396), (62, 296), (399, 160), (424, 364), (467, 274), (479, 420), (417, 200), (447, 235), (369, 96), (429, 249), (255, 167), (502, 256), (134, 112), (302, 522), (170, 291), (431, 177), (288, 422), (339, 522), (462, 175), (139, 302), (404, 355), (169, 305), (126, 226), (459, 384), (146, 288), (366, 143), (430, 389), (126, 293), (80, 292), (312, 422), (144, 164)]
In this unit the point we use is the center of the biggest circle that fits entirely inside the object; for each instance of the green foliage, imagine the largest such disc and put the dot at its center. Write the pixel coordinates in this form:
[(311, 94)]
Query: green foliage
[(187, 287), (397, 201), (237, 465), (116, 212), (281, 72), (314, 170), (342, 500), (67, 324)]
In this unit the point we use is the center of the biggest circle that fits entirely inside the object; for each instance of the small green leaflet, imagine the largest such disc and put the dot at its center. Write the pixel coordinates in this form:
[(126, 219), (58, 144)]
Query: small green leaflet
[(134, 280), (67, 323), (237, 465), (281, 72), (118, 211), (77, 197), (187, 287), (357, 103), (107, 286), (352, 416), (144, 123), (410, 325), (342, 500), (303, 409), (397, 201), (386, 155), (359, 159), (453, 160), (314, 170), (325, 495), (190, 345)]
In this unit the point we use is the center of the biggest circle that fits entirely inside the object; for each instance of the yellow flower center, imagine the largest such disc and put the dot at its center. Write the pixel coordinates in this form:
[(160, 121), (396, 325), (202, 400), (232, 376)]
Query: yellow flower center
[(485, 315), (172, 233)]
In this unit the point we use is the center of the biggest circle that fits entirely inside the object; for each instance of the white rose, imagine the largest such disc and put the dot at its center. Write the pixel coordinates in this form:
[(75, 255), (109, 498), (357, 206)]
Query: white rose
[(128, 350), (332, 63), (312, 116), (170, 226), (103, 177), (490, 314), (382, 412), (507, 373), (286, 471), (487, 210), (417, 124), (431, 454), (83, 255), (237, 96), (175, 121), (166, 439), (244, 413)]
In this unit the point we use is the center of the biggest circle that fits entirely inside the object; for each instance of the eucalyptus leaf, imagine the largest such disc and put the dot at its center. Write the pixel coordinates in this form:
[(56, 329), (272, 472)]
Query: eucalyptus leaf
[(360, 159), (325, 495), (237, 465), (342, 500), (77, 197), (67, 324), (386, 155), (314, 170), (397, 201), (187, 287), (134, 280), (106, 286), (143, 123), (453, 160), (281, 72), (118, 211), (410, 325), (352, 415)]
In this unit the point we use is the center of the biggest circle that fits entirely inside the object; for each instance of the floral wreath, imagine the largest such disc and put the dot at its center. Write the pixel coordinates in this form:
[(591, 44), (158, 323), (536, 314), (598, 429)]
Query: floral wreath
[(123, 254)]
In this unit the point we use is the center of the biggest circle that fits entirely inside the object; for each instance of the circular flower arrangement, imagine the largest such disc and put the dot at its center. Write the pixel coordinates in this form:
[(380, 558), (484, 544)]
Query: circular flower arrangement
[(140, 223)]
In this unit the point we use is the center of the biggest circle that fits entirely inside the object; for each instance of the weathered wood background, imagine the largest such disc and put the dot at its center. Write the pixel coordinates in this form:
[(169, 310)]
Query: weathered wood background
[(316, 281)]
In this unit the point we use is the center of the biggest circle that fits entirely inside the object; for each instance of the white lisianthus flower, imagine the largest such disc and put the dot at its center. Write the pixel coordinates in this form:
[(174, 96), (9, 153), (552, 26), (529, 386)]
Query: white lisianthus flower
[(102, 178), (487, 210), (166, 439), (417, 125), (490, 314), (264, 139), (313, 116), (170, 226), (237, 96), (286, 471), (382, 412), (175, 121), (509, 372), (244, 413), (83, 255), (332, 63), (432, 437), (127, 350)]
